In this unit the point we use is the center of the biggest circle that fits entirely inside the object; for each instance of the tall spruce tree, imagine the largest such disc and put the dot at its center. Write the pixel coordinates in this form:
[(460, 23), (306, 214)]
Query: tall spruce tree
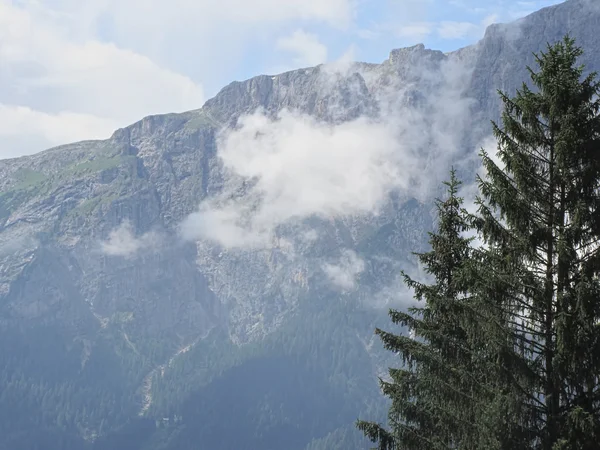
[(433, 395), (539, 217)]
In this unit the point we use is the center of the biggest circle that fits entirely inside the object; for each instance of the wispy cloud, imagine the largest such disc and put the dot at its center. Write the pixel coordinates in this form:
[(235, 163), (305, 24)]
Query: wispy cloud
[(70, 65), (442, 24), (293, 166), (462, 30), (46, 129), (344, 273), (300, 167), (122, 241), (415, 31), (456, 30), (305, 46), (56, 88), (14, 243), (397, 294)]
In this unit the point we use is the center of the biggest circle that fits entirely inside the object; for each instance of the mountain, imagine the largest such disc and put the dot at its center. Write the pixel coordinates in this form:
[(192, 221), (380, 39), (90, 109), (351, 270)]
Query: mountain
[(160, 290)]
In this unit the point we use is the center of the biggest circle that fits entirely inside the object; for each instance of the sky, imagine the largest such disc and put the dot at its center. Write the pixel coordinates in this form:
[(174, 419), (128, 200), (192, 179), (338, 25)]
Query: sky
[(72, 70)]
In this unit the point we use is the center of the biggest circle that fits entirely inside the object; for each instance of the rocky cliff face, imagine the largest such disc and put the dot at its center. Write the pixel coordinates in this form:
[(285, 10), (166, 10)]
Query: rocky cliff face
[(90, 233), (135, 189)]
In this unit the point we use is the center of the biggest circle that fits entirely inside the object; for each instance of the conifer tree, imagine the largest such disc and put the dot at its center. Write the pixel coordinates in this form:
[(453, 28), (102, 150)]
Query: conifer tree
[(433, 402), (539, 217)]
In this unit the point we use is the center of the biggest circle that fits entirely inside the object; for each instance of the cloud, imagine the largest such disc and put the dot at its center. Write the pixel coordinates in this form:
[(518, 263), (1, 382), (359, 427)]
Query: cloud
[(365, 33), (440, 23), (205, 39), (15, 243), (344, 273), (210, 13), (397, 294), (469, 190), (456, 30), (301, 167), (293, 166), (102, 62), (415, 31), (89, 65), (462, 30), (75, 89), (123, 242), (507, 10), (307, 48), (342, 67), (44, 130)]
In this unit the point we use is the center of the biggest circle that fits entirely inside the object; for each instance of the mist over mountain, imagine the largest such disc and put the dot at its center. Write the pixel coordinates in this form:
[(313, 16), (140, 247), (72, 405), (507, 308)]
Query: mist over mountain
[(212, 279)]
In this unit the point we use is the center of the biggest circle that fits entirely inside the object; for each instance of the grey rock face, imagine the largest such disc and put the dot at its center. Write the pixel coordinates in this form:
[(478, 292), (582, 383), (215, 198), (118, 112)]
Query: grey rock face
[(155, 173), (506, 49)]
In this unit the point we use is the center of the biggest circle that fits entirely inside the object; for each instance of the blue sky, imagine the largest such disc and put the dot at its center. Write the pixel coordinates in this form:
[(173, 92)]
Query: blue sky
[(377, 26), (75, 69)]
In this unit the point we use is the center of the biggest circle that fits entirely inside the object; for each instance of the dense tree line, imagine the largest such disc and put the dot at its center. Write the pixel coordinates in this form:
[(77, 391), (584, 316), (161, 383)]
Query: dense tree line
[(504, 346)]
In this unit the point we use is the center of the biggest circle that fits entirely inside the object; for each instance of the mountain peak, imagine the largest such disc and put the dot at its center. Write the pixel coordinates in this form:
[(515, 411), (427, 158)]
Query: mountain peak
[(411, 54)]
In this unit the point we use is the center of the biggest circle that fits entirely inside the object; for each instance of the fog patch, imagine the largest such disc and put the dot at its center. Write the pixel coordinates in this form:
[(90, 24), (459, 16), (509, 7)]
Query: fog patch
[(123, 242), (343, 274)]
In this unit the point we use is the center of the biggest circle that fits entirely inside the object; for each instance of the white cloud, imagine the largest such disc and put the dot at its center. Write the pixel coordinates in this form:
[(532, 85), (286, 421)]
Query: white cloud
[(344, 273), (203, 38), (341, 67), (103, 62), (302, 167), (44, 130), (430, 21), (507, 10), (488, 20), (75, 88), (415, 31), (306, 46), (365, 33), (470, 189), (12, 244), (123, 242), (309, 236), (397, 294), (456, 30), (463, 30), (295, 166), (85, 66), (157, 13)]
